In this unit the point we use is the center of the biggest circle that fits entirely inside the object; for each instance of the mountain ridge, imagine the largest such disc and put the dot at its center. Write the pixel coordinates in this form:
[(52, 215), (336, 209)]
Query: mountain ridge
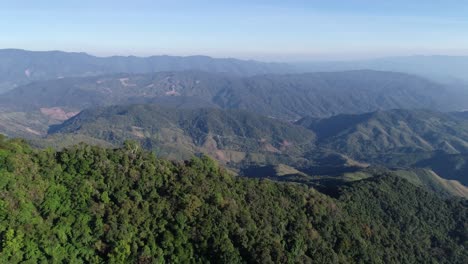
[(228, 135), (398, 128), (19, 67), (286, 96)]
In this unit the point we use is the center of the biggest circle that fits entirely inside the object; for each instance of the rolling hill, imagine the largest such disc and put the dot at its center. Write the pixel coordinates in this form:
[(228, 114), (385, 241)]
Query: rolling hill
[(341, 175), (432, 181), (228, 135), (391, 132), (399, 138)]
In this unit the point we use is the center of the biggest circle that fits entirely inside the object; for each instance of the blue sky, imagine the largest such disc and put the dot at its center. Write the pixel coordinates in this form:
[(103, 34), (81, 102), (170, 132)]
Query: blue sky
[(266, 30)]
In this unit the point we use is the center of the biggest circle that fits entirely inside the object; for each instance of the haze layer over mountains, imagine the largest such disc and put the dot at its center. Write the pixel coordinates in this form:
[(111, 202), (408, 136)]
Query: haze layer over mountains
[(180, 159)]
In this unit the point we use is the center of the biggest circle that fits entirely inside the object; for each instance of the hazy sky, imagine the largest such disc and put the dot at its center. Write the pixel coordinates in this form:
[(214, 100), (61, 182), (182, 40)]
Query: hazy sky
[(268, 30)]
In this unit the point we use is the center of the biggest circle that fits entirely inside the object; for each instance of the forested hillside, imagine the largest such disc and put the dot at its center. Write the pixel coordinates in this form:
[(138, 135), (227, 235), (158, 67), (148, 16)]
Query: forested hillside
[(393, 138), (392, 132), (283, 96), (228, 135), (90, 204)]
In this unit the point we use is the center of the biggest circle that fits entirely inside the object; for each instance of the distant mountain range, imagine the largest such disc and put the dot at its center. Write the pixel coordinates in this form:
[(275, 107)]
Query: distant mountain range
[(19, 67), (289, 96), (256, 118), (447, 69)]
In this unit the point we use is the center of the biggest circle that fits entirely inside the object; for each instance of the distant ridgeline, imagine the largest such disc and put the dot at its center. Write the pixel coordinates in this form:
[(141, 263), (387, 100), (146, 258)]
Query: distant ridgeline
[(90, 204), (28, 110), (291, 96), (18, 67)]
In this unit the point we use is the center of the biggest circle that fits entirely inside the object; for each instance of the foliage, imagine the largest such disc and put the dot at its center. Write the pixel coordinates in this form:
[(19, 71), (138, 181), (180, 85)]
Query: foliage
[(88, 204)]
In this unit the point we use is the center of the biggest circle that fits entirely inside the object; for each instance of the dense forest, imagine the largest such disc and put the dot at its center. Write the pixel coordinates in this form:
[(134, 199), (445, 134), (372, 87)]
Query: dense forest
[(87, 204)]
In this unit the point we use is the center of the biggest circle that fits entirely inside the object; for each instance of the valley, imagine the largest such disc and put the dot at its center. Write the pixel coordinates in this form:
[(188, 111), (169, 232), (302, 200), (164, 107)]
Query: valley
[(315, 124), (174, 159)]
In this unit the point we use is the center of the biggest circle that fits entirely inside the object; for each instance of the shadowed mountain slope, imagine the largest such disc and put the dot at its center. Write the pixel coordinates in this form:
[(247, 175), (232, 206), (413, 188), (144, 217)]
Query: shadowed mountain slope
[(393, 131), (281, 96)]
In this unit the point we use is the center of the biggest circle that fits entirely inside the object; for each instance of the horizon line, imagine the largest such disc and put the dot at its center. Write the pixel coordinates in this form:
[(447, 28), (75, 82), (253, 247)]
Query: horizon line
[(232, 57)]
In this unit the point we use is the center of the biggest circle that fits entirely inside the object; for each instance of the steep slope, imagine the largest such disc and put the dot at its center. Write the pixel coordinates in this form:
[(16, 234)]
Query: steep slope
[(449, 166), (329, 181), (399, 138), (227, 135), (431, 181), (423, 177), (88, 204), (23, 124), (18, 67), (391, 132)]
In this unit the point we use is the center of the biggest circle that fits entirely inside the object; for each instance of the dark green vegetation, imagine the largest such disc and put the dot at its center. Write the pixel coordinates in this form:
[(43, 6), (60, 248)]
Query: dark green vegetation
[(90, 204)]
